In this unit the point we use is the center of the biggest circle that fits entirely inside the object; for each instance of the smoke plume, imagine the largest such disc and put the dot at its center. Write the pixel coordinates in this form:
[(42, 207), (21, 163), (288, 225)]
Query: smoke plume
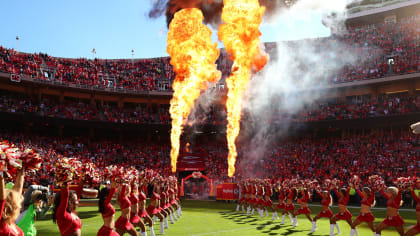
[(211, 9)]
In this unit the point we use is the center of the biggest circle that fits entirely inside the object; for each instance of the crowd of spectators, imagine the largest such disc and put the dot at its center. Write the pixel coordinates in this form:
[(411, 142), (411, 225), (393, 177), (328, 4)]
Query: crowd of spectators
[(387, 153), (215, 115), (380, 49)]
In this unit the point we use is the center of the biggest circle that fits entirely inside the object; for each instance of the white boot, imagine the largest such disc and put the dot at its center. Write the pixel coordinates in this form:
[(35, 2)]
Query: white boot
[(180, 211), (282, 219), (273, 216), (166, 223), (174, 216), (162, 231), (170, 218), (252, 212), (261, 213), (142, 233), (314, 228), (295, 221), (237, 207), (247, 211), (277, 216), (152, 232), (266, 212), (332, 229), (290, 217), (338, 228), (355, 232), (243, 208), (352, 232)]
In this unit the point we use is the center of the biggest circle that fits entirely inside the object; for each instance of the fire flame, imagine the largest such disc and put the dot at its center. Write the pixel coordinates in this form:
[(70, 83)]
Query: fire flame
[(193, 58), (240, 35)]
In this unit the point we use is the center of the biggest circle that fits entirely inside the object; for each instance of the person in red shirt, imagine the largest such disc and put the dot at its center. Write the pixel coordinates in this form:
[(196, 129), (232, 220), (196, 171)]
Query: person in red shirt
[(107, 210), (304, 209), (393, 218), (280, 206), (416, 228), (142, 207), (123, 223), (368, 201), (65, 205), (134, 217), (343, 213), (326, 212), (290, 207), (10, 205)]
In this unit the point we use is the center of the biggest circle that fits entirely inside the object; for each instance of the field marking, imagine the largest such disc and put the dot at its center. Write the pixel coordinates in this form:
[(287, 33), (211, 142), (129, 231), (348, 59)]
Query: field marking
[(224, 231)]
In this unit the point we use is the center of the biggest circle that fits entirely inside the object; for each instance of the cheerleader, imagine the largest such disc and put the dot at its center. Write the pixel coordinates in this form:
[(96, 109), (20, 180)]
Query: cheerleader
[(267, 201), (153, 209), (241, 202), (168, 204), (304, 209), (280, 206), (107, 210), (260, 203), (142, 208), (368, 201), (252, 199), (163, 206), (343, 213), (290, 207), (416, 228), (393, 218), (65, 205), (326, 212), (173, 191), (123, 223), (134, 209), (10, 202)]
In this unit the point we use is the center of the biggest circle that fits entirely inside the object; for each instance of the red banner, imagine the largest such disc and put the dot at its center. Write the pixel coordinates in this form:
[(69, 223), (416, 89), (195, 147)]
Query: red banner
[(191, 162), (227, 191)]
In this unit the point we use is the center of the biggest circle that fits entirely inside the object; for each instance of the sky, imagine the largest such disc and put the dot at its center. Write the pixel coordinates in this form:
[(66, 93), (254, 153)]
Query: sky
[(114, 28)]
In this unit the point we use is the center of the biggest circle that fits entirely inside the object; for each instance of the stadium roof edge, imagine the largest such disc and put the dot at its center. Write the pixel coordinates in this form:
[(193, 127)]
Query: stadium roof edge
[(383, 9)]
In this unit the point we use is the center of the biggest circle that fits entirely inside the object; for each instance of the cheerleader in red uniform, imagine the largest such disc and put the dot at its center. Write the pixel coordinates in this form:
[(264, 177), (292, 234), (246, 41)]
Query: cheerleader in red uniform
[(173, 197), (290, 207), (248, 197), (416, 228), (393, 218), (343, 213), (281, 205), (107, 210), (134, 209), (326, 212), (252, 199), (368, 201), (163, 207), (65, 204), (260, 203), (304, 209), (168, 204), (241, 202), (267, 198), (142, 207), (154, 208), (123, 223), (10, 201)]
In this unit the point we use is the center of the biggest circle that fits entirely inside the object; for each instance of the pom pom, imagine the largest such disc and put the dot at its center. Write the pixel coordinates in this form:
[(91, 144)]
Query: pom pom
[(416, 128), (376, 182), (402, 183), (355, 180), (90, 174)]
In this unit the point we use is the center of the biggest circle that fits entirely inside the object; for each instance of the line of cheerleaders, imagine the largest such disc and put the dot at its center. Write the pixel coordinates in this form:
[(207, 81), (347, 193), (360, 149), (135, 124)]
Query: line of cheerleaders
[(256, 194), (131, 197)]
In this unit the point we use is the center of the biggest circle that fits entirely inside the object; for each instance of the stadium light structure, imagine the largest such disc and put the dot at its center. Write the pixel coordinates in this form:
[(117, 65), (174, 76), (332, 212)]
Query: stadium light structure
[(17, 42), (93, 53), (132, 56)]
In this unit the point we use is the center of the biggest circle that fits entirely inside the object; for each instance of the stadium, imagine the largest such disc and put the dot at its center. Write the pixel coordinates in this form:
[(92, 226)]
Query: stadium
[(310, 136)]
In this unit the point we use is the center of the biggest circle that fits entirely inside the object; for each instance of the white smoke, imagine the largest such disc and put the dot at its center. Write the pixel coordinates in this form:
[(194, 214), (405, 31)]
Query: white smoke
[(289, 81)]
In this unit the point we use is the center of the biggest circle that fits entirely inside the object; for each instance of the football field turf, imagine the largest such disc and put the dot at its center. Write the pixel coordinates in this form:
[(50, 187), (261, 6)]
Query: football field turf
[(218, 218)]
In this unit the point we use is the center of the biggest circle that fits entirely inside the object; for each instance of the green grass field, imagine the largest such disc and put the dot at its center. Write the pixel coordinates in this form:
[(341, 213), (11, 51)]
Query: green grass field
[(217, 218)]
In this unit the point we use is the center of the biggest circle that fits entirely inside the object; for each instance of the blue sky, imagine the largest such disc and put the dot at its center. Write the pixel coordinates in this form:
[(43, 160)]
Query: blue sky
[(73, 28)]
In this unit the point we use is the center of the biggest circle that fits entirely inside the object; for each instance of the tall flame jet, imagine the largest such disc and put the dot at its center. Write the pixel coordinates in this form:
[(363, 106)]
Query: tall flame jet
[(193, 58), (240, 35)]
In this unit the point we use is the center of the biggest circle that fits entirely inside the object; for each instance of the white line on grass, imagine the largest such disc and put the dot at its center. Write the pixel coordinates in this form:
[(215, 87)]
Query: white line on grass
[(225, 231)]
